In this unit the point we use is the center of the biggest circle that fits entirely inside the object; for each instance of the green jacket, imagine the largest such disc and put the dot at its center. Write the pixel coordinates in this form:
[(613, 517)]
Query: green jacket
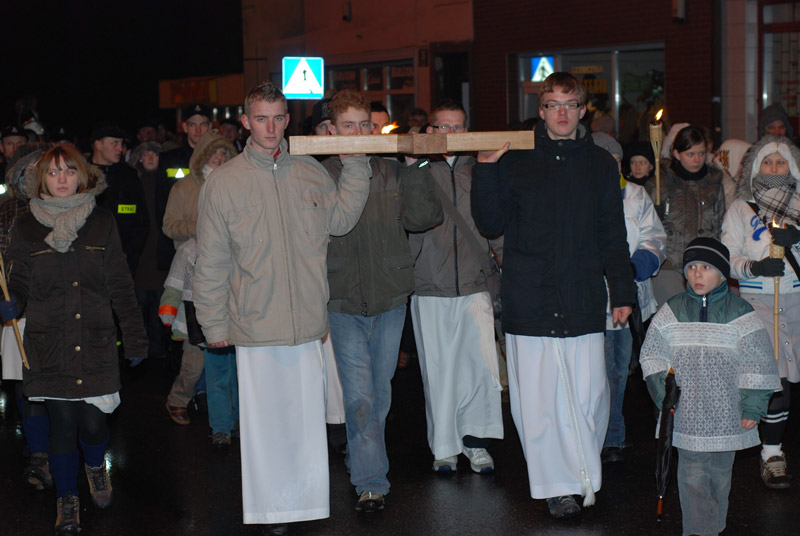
[(370, 269), (721, 307)]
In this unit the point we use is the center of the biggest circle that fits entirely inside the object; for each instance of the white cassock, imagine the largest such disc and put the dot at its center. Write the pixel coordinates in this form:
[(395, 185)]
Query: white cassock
[(283, 438), (334, 396), (458, 360), (546, 420)]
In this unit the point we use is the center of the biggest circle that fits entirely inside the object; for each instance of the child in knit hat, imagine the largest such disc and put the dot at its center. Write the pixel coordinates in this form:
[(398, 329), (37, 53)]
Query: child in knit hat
[(724, 366)]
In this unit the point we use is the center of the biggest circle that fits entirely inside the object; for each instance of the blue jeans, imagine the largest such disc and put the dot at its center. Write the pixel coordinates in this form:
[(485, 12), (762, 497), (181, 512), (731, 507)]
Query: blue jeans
[(704, 483), (618, 346), (366, 350), (222, 389)]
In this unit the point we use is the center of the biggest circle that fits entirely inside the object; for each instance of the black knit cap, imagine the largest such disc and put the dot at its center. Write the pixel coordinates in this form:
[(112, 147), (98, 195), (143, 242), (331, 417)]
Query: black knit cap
[(641, 148), (708, 251), (320, 112)]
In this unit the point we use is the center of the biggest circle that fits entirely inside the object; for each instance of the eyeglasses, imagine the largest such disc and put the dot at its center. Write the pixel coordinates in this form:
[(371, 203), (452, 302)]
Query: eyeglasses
[(445, 128), (555, 106)]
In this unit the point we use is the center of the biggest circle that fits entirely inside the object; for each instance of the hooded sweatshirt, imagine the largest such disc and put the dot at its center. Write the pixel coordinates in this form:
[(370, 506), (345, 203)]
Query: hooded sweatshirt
[(180, 217), (745, 234)]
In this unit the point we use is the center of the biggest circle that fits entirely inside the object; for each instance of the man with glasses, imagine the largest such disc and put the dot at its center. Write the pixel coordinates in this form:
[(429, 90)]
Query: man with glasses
[(561, 210), (453, 317)]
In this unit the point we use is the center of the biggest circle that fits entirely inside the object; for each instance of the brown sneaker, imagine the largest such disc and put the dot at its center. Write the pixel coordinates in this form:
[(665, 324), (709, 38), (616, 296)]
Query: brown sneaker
[(68, 519), (177, 414), (773, 473), (99, 485)]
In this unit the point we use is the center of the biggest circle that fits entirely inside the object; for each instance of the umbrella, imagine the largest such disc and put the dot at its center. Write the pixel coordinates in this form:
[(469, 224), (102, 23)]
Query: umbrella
[(637, 330), (664, 447)]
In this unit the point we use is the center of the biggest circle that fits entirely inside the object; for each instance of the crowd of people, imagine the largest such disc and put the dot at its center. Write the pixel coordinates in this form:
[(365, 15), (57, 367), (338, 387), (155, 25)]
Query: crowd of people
[(289, 284)]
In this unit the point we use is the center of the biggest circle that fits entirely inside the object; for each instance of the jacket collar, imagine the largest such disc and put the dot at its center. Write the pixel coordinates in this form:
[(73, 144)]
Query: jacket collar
[(714, 296), (543, 140)]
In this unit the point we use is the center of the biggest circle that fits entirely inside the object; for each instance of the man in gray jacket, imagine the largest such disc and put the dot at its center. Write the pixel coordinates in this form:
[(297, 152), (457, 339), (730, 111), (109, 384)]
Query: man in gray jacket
[(263, 226), (453, 316), (370, 273)]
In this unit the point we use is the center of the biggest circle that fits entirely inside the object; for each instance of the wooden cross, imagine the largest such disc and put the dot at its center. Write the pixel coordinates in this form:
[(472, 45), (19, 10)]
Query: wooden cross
[(411, 143)]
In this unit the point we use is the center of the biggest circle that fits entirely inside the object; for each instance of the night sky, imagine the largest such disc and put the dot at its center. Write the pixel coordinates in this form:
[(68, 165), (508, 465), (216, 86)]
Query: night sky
[(88, 60)]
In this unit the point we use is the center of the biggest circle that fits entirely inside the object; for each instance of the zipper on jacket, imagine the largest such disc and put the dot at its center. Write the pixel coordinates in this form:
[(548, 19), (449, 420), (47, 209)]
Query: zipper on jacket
[(704, 310), (286, 254), (455, 228)]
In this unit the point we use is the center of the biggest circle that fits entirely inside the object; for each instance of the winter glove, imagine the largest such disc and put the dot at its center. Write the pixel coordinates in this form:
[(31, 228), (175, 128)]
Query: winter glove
[(767, 267), (8, 309), (645, 264), (786, 237)]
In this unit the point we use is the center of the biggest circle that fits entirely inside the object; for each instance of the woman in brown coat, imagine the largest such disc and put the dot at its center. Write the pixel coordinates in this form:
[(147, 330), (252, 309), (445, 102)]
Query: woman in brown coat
[(68, 273)]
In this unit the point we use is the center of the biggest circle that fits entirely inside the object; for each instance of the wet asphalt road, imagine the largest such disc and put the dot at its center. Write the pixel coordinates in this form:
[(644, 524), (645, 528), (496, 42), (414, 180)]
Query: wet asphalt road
[(168, 480)]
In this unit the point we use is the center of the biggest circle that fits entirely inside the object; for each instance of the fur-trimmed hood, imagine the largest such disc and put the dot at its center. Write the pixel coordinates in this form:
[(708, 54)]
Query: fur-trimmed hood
[(209, 143), (140, 149), (755, 155), (25, 158), (29, 186)]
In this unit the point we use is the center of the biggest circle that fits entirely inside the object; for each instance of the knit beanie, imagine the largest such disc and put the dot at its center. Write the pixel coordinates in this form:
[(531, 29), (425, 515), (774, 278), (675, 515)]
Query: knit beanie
[(641, 148), (320, 112), (708, 251)]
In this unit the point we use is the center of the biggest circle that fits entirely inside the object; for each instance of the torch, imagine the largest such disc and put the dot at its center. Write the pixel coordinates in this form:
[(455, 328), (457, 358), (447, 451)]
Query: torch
[(656, 138), (776, 252)]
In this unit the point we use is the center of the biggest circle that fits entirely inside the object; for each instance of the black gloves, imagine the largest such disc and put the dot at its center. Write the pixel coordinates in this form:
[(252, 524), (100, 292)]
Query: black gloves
[(786, 237), (767, 267)]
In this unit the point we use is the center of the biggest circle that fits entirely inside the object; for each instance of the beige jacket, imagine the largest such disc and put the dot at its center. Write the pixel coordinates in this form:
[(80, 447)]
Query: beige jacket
[(180, 216), (262, 235)]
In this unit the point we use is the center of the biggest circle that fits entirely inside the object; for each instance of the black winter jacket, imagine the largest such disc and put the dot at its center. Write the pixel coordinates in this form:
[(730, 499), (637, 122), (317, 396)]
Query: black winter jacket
[(561, 210), (124, 198), (70, 337)]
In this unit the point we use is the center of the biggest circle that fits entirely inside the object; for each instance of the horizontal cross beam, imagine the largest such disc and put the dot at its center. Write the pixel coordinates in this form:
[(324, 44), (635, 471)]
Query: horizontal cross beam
[(411, 143)]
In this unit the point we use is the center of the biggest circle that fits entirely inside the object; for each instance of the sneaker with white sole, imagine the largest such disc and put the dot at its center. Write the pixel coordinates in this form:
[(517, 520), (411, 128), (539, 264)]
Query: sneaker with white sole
[(774, 474), (479, 460), (564, 506), (446, 465)]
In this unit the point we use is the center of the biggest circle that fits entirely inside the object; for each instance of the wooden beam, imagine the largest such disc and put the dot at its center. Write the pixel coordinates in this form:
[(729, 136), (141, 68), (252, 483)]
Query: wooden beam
[(411, 143)]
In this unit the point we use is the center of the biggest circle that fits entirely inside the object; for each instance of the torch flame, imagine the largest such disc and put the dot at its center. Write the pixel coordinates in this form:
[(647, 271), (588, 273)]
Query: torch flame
[(388, 128), (658, 114)]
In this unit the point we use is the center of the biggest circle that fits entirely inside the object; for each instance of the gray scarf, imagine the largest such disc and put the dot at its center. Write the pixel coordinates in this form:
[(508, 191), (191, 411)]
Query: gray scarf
[(64, 215)]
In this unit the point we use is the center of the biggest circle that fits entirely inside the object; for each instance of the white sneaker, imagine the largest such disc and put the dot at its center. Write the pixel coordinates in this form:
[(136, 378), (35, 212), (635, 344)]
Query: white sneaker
[(479, 460), (445, 465)]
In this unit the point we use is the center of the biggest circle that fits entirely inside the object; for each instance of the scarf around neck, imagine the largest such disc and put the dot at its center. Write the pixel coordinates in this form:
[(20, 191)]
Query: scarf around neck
[(776, 199), (64, 215), (687, 175)]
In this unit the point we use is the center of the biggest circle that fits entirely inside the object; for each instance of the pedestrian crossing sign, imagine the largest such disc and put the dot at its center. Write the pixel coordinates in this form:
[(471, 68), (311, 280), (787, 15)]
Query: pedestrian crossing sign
[(303, 78)]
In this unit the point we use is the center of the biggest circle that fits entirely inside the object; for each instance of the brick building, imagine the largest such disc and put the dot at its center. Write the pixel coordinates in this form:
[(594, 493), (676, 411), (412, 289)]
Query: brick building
[(714, 63)]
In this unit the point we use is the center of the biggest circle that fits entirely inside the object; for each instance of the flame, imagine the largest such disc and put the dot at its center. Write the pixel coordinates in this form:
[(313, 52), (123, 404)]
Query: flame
[(658, 114), (774, 225), (388, 128)]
